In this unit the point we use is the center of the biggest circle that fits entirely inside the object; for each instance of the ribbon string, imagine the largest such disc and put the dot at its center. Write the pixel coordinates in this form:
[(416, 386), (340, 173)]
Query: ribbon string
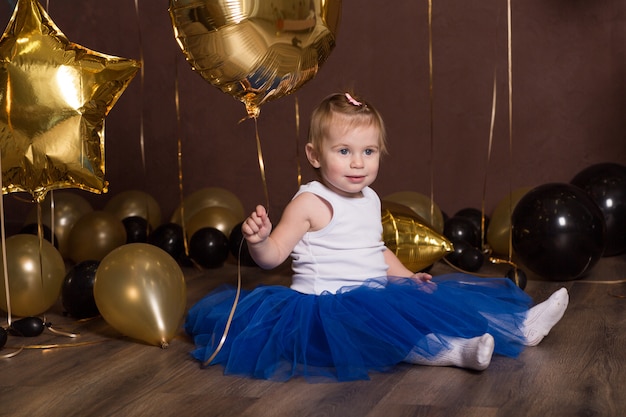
[(431, 110), (510, 85), (297, 116)]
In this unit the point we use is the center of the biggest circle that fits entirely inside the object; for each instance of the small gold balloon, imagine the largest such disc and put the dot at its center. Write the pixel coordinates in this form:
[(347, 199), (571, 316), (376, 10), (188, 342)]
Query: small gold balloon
[(68, 208), (220, 218), (421, 205), (140, 291), (499, 229), (95, 235), (208, 197), (256, 51), (135, 203), (407, 235), (35, 273)]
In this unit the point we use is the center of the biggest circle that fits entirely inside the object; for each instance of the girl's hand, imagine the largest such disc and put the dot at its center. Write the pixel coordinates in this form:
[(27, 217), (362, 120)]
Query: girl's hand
[(425, 279), (421, 277), (257, 227)]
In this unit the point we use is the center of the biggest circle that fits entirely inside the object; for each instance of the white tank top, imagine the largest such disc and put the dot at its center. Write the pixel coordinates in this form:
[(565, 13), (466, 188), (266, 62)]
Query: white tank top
[(347, 251)]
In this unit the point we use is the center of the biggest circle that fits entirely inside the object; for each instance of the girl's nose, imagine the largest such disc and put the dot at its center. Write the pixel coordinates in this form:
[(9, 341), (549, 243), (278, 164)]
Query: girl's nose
[(356, 162)]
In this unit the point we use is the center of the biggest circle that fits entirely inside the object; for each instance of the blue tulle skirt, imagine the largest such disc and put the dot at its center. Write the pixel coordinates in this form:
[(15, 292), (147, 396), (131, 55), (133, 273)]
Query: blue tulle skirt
[(277, 333)]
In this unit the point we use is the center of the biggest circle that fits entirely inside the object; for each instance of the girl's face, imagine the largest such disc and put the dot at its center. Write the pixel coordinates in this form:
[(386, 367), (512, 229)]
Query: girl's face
[(348, 159)]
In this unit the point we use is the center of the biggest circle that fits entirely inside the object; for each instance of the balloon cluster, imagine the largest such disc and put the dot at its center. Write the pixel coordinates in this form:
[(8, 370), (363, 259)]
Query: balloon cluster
[(468, 230), (465, 231), (211, 218), (561, 230), (113, 253)]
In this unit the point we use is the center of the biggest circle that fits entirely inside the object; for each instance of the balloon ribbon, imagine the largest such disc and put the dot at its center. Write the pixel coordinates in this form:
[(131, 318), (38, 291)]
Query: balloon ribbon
[(231, 314)]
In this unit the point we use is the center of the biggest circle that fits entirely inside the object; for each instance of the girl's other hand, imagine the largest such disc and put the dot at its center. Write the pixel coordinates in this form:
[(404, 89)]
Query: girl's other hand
[(421, 277), (425, 279)]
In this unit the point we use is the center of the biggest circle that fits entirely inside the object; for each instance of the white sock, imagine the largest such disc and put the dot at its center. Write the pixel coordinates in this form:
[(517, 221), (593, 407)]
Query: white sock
[(542, 317), (474, 353)]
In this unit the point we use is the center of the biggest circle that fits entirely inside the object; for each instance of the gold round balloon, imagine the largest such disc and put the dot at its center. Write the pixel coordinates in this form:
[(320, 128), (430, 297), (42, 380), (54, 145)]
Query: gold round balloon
[(95, 235), (68, 208), (35, 277), (407, 235), (140, 291), (220, 218), (499, 229), (256, 51), (208, 197), (54, 97), (421, 205), (135, 203)]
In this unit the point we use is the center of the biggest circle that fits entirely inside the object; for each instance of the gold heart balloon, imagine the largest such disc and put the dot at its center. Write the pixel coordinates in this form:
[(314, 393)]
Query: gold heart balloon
[(54, 96), (407, 235), (256, 50)]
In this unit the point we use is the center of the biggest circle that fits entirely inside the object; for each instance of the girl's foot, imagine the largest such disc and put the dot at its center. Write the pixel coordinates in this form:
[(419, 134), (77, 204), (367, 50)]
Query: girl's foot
[(542, 317), (474, 353)]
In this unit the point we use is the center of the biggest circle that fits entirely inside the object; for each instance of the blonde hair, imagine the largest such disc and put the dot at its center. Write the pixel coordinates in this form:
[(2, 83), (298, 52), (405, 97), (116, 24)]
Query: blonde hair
[(348, 109)]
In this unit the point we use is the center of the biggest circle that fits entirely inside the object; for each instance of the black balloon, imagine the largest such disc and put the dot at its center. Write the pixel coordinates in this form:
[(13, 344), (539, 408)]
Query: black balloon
[(558, 231), (518, 276), (461, 228), (3, 337), (465, 256), (459, 246), (137, 229), (235, 241), (471, 259), (209, 247), (33, 229), (606, 185), (476, 217), (170, 238), (27, 327), (77, 291)]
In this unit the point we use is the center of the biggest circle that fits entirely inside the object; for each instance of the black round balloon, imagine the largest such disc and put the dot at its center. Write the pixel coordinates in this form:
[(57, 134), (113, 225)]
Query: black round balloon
[(461, 228), (3, 337), (77, 290), (27, 327), (476, 217), (459, 247), (471, 259), (518, 276), (606, 185), (235, 241), (137, 229), (558, 231), (209, 247), (170, 238), (33, 229)]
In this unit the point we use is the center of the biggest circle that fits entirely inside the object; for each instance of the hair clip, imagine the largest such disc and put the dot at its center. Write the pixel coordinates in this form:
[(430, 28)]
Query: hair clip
[(352, 101)]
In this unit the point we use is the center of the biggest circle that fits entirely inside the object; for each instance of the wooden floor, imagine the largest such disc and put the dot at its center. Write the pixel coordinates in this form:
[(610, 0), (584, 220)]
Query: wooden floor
[(578, 370)]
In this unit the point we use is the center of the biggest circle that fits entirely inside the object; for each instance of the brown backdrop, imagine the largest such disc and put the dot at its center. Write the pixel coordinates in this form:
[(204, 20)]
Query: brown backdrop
[(569, 99)]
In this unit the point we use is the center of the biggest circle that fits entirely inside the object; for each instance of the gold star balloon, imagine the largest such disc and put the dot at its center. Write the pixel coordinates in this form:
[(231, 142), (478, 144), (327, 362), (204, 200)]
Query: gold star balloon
[(54, 97)]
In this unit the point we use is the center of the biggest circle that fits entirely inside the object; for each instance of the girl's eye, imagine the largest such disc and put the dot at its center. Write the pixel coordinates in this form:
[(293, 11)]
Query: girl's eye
[(343, 151), (369, 152)]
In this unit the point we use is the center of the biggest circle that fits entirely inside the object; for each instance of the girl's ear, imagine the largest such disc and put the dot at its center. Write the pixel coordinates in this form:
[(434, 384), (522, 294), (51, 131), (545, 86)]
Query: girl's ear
[(312, 155)]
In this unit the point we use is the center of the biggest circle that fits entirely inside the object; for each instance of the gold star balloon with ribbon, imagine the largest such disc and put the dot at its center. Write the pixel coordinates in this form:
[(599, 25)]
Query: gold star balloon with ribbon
[(54, 97)]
